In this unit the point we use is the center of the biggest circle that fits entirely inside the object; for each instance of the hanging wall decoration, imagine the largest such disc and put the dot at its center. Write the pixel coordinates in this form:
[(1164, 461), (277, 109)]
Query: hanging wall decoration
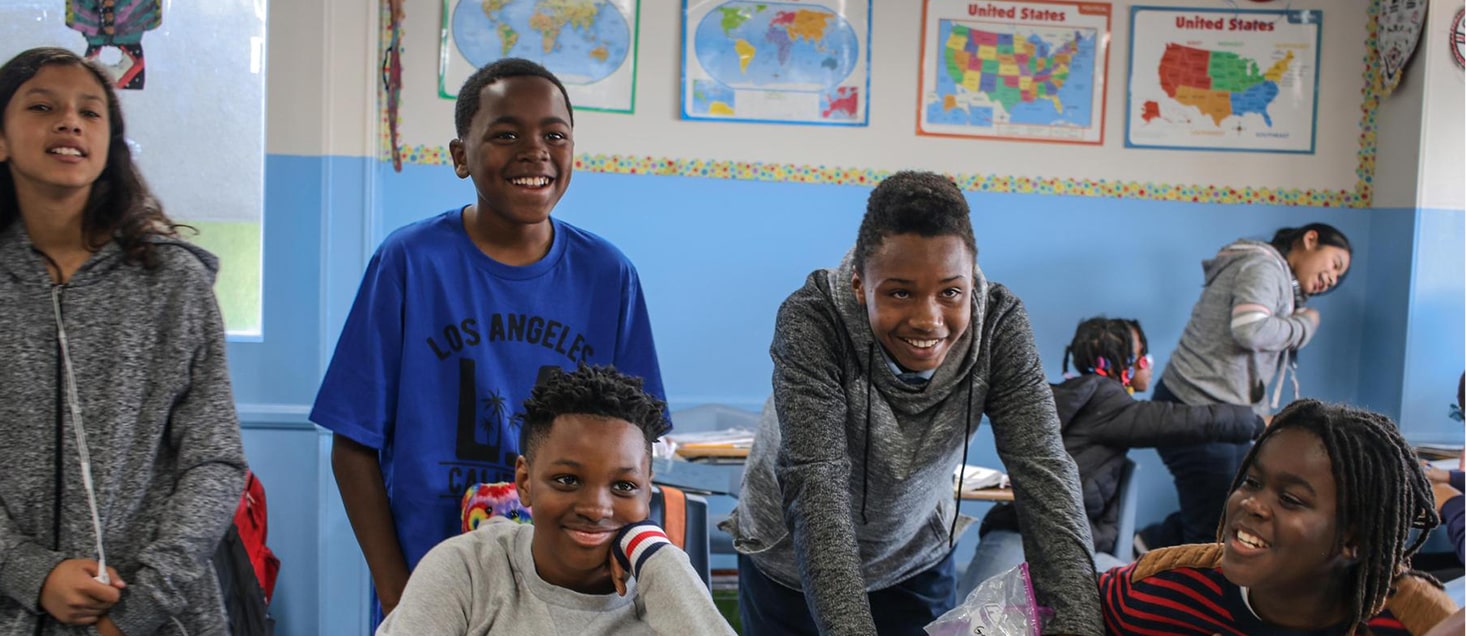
[(1223, 79), (114, 33), (589, 44), (780, 62), (1026, 71), (1458, 39), (1400, 22)]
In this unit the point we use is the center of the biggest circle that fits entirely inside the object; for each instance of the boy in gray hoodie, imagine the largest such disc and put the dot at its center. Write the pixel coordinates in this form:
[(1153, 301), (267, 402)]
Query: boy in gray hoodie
[(882, 369), (122, 458)]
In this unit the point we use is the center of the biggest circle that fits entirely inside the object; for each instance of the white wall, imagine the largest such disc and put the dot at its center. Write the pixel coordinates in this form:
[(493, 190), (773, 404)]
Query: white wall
[(1443, 127)]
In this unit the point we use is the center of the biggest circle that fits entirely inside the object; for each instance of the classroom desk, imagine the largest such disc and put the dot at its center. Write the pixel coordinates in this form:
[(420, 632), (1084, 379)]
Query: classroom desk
[(988, 494), (719, 472)]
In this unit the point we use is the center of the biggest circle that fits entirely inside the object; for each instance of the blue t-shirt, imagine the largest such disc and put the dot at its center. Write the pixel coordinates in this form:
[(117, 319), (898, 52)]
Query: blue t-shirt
[(443, 345)]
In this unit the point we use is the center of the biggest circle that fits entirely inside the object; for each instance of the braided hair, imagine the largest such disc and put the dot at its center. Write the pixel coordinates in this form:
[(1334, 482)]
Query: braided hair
[(1102, 346), (1383, 495)]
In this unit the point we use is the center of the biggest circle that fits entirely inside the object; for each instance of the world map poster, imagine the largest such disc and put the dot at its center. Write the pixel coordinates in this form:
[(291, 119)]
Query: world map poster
[(1029, 71), (799, 62), (589, 44), (1223, 79)]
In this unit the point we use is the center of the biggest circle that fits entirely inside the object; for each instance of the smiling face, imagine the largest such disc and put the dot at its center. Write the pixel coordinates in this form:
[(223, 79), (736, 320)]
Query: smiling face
[(55, 133), (1318, 267), (519, 150), (589, 477), (1280, 522), (917, 292)]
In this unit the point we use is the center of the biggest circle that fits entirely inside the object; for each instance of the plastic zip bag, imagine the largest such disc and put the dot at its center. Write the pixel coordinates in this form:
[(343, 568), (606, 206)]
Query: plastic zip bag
[(1003, 605)]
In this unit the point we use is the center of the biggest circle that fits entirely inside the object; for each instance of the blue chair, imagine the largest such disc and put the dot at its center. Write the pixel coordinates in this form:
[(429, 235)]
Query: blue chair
[(695, 524), (1129, 501)]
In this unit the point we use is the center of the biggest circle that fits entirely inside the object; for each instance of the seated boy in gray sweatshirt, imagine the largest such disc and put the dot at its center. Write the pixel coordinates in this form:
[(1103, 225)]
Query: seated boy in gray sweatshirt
[(592, 563)]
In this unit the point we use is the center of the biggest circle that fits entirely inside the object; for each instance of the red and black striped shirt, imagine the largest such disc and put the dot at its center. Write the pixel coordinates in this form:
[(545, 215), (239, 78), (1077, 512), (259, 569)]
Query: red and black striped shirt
[(1195, 599)]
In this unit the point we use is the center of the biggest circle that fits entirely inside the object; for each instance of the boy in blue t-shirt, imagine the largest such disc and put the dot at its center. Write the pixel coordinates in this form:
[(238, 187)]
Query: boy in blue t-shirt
[(456, 317)]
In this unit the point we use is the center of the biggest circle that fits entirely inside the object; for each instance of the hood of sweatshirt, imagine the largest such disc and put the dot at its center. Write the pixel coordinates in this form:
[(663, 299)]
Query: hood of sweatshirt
[(21, 261), (1246, 249), (903, 397)]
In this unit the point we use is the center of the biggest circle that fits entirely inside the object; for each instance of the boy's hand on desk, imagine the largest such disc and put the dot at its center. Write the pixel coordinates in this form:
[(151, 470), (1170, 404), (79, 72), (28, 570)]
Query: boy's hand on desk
[(1436, 475)]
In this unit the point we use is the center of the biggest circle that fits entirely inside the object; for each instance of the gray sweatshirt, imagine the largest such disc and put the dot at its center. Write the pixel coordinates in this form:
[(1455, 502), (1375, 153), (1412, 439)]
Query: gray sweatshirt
[(485, 582), (1241, 332), (849, 487), (147, 349)]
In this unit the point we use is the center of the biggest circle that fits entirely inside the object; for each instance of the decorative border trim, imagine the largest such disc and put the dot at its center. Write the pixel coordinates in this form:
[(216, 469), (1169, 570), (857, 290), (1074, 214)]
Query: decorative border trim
[(1360, 197)]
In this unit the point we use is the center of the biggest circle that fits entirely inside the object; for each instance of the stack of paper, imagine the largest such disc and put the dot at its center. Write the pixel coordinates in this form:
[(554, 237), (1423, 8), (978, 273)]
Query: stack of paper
[(971, 477), (733, 442)]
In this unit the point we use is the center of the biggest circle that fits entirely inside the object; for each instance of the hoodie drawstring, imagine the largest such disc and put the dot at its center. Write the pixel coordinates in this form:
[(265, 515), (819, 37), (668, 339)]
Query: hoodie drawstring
[(865, 462), (961, 472)]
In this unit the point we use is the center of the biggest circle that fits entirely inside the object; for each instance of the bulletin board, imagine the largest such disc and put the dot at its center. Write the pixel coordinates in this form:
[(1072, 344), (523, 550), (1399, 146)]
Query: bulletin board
[(655, 140)]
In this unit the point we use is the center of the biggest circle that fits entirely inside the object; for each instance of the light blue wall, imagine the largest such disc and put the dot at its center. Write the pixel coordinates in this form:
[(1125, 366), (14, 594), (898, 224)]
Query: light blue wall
[(718, 256), (1435, 353)]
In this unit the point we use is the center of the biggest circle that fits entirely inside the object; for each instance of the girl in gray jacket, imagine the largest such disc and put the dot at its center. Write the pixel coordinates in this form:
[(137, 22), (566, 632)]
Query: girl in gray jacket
[(1243, 334), (122, 463)]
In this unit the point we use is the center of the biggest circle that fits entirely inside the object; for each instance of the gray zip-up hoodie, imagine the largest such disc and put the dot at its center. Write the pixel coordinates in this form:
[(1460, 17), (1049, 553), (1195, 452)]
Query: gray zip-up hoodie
[(849, 488), (147, 350), (1242, 331)]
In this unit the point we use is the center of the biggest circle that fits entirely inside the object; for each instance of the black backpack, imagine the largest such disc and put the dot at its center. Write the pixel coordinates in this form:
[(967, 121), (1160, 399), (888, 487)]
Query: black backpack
[(244, 599)]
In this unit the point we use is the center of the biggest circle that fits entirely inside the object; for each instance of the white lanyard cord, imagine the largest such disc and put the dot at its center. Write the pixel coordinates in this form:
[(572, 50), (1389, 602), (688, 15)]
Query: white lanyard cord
[(81, 437)]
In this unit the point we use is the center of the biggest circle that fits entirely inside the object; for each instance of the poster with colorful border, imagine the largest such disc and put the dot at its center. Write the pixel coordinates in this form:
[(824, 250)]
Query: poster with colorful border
[(589, 44), (789, 62), (1223, 79), (1026, 71)]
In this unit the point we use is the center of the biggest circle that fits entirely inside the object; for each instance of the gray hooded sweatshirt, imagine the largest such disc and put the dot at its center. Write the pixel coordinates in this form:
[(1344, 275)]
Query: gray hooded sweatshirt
[(147, 350), (849, 485), (1242, 331)]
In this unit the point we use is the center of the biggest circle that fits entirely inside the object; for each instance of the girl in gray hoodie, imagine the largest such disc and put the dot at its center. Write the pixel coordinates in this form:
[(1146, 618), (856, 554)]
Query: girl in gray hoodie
[(1242, 335), (882, 369), (122, 463)]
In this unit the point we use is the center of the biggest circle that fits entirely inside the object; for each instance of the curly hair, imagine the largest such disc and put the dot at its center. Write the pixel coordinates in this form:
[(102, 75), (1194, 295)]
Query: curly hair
[(120, 207), (468, 96), (1382, 495), (922, 203), (601, 391)]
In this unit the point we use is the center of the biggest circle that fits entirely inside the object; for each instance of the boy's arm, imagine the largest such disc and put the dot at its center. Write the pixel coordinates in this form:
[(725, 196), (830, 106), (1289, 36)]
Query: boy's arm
[(1056, 533), (208, 481), (357, 402), (672, 594), (1125, 422), (814, 468), (1254, 325), (364, 494), (439, 598)]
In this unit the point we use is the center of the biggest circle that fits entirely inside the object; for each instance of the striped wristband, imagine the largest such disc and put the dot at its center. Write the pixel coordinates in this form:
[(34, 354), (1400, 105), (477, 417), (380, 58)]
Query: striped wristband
[(636, 542)]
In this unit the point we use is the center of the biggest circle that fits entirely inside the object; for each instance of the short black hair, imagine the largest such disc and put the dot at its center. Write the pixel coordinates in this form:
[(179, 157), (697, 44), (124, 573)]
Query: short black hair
[(923, 203), (1382, 491), (468, 96), (601, 391)]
